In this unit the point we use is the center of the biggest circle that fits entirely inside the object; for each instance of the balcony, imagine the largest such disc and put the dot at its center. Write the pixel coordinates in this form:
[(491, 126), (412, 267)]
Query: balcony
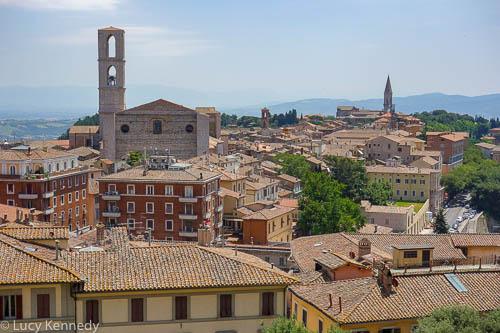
[(188, 232), (188, 216), (48, 211), (112, 212), (220, 208), (28, 196), (112, 195), (188, 199), (48, 195)]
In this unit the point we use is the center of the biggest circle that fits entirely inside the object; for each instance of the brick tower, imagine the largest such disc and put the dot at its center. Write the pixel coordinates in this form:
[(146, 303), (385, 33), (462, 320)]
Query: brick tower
[(111, 44)]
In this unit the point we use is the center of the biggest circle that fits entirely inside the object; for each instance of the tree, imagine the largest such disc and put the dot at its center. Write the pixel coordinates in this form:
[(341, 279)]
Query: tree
[(87, 121), (440, 226), (491, 322), (349, 172), (284, 325), (323, 210), (293, 165), (134, 158), (454, 319), (378, 192)]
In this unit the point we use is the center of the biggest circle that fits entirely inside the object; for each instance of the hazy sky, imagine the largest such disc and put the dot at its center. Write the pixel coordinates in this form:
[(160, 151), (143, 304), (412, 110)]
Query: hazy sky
[(293, 49)]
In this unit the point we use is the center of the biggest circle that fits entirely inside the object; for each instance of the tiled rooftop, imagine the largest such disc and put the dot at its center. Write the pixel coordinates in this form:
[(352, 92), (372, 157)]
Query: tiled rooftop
[(36, 233)]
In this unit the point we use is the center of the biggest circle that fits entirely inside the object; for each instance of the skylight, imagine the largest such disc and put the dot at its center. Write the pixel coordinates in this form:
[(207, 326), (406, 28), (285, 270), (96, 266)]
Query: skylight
[(456, 282)]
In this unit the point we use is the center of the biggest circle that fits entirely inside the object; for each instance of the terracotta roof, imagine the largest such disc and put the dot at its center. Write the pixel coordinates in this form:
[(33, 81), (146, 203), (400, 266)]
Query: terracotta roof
[(443, 246), (20, 266), (160, 105), (36, 233), (268, 213), (172, 266), (415, 296), (137, 173), (229, 193), (84, 151), (289, 178), (83, 129), (111, 28), (399, 170), (106, 161), (11, 212), (36, 154), (289, 202), (464, 240), (372, 228), (332, 260)]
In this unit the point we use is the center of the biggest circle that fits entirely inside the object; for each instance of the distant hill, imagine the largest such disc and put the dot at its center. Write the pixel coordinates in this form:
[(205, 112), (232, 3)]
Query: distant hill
[(485, 105), (75, 102)]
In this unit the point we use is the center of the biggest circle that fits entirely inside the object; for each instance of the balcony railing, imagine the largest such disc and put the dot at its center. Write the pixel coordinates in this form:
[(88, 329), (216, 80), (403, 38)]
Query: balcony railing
[(29, 196), (188, 199), (48, 211), (188, 216), (188, 232), (111, 195), (48, 194), (112, 212)]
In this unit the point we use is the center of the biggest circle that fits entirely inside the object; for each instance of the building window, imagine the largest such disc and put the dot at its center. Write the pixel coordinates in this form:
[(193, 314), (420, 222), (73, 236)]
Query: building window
[(304, 317), (320, 325), (188, 191), (70, 181), (422, 181), (54, 202), (188, 209), (150, 190), (295, 309), (12, 169), (406, 181), (70, 212), (137, 307), (422, 194), (268, 304), (43, 305), (169, 208), (130, 207), (157, 127), (131, 224), (76, 181), (169, 225), (12, 307), (150, 207), (169, 190), (70, 197), (226, 305), (84, 179), (282, 261), (10, 188), (62, 199), (406, 193), (77, 211), (389, 330), (414, 181), (130, 189), (169, 239), (61, 183), (92, 311), (410, 254), (84, 194), (77, 195), (413, 193), (150, 224), (181, 307)]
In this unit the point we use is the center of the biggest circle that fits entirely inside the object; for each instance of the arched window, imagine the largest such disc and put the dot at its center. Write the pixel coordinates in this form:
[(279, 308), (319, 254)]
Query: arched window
[(111, 47), (72, 164), (65, 165), (12, 169), (57, 166), (157, 127), (111, 76), (50, 168)]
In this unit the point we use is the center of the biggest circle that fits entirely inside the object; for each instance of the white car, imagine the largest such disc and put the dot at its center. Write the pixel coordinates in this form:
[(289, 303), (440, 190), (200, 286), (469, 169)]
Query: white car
[(460, 219)]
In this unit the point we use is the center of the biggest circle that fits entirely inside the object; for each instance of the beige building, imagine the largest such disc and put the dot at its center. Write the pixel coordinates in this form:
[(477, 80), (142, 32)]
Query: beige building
[(160, 288), (261, 188), (410, 184), (387, 146), (400, 219)]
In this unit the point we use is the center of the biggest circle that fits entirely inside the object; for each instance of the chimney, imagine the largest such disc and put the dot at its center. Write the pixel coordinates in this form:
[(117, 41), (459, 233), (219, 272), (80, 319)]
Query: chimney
[(99, 233), (364, 247), (32, 215), (340, 304), (385, 279), (236, 250), (376, 228), (57, 249), (331, 301), (204, 236), (201, 175)]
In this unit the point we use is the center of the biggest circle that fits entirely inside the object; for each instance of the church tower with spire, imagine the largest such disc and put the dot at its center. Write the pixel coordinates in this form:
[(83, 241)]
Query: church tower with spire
[(388, 96)]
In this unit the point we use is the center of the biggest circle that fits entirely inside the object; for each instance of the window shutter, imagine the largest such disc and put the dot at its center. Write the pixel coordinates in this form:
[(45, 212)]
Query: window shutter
[(268, 304), (43, 305), (137, 309), (226, 305), (1, 307), (19, 306), (181, 307), (92, 311)]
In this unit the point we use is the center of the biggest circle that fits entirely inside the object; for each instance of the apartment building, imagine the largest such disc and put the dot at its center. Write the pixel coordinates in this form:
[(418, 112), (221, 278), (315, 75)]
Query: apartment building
[(410, 184), (48, 180), (387, 146), (171, 199), (261, 188), (265, 222), (399, 219), (452, 146)]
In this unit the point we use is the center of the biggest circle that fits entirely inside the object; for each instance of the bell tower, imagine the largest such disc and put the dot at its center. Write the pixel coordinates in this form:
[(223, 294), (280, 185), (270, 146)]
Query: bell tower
[(111, 44)]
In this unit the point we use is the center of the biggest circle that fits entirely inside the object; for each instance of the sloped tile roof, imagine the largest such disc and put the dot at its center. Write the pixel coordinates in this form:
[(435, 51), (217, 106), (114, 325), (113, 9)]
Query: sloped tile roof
[(83, 129), (415, 296), (160, 104), (464, 240), (332, 260), (36, 233), (443, 247), (20, 266), (173, 266)]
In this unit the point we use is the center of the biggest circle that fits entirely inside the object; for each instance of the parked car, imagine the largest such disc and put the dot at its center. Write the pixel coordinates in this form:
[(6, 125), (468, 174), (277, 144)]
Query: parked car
[(467, 206), (455, 226), (460, 219)]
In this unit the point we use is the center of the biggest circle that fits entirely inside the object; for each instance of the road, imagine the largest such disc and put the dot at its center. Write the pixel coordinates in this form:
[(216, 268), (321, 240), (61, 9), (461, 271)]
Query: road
[(451, 215)]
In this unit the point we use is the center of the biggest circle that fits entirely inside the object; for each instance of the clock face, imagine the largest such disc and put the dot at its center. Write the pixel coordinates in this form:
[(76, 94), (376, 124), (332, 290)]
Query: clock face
[(189, 128), (125, 128)]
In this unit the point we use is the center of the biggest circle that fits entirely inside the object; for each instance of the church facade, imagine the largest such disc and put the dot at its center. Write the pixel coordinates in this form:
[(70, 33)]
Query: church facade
[(161, 124)]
